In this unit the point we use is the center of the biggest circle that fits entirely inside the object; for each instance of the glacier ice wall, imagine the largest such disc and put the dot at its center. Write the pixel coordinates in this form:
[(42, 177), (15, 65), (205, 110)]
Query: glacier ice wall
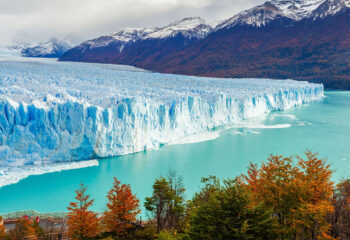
[(59, 112)]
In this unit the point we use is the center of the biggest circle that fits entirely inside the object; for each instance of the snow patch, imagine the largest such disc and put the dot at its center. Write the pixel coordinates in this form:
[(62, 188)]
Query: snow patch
[(264, 14), (189, 27)]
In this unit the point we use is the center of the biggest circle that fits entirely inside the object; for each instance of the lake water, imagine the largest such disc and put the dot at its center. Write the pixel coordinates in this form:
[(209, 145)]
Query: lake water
[(322, 126)]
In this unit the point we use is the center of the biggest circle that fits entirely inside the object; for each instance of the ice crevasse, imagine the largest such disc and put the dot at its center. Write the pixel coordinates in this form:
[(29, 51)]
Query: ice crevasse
[(59, 112)]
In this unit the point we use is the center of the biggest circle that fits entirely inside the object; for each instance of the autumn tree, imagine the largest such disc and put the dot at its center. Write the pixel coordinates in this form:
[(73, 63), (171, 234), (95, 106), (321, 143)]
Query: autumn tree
[(340, 218), (316, 193), (2, 232), (23, 229), (2, 229), (39, 231), (82, 223), (226, 212), (299, 194), (123, 207)]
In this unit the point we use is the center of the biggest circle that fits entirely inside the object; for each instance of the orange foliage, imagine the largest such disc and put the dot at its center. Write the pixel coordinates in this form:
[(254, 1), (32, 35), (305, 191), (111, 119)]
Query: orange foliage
[(2, 229), (300, 194), (23, 229), (317, 190), (123, 207), (82, 223)]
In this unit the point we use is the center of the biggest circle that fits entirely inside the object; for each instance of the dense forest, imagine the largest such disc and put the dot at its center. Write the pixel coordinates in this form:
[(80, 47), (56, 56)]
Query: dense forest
[(281, 198)]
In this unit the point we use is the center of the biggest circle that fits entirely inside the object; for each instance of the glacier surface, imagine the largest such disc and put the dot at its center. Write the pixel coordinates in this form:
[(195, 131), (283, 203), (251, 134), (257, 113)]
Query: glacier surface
[(53, 112)]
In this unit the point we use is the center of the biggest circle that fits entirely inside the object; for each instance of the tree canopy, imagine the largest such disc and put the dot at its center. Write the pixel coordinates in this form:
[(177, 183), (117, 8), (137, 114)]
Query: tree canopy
[(82, 223), (123, 207)]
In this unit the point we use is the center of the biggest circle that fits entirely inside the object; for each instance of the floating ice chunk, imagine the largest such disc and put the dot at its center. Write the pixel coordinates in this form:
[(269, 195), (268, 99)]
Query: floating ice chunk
[(196, 138), (262, 126), (15, 174)]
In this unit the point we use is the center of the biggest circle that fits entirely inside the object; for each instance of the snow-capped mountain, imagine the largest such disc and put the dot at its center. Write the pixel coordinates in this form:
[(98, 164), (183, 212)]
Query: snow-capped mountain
[(330, 8), (51, 49), (293, 10), (110, 48), (271, 10), (120, 39), (188, 27), (257, 16), (297, 9), (300, 39), (305, 40)]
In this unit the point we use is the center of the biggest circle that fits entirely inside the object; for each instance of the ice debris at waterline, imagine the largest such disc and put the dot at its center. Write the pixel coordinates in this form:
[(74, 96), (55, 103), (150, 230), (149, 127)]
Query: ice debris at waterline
[(13, 175), (59, 112)]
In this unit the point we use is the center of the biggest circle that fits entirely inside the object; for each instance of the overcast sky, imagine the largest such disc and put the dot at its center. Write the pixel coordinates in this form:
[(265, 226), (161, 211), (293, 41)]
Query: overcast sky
[(39, 20)]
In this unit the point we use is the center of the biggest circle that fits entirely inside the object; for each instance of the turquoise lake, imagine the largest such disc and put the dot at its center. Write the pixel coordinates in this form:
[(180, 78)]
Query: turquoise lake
[(322, 126)]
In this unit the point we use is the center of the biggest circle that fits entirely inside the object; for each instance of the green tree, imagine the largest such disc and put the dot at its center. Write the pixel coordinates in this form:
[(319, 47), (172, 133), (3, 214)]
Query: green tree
[(147, 233), (211, 185), (167, 205), (226, 212), (157, 205), (166, 235), (177, 207)]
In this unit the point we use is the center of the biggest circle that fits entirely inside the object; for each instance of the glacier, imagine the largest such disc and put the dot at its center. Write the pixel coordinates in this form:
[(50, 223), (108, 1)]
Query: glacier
[(58, 112)]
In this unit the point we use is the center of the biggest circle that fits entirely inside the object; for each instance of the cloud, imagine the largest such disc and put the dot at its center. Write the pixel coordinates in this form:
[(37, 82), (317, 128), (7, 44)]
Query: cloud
[(38, 20)]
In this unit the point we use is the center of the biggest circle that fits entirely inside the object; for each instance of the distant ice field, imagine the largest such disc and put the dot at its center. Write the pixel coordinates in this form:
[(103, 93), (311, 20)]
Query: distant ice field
[(103, 85), (53, 112)]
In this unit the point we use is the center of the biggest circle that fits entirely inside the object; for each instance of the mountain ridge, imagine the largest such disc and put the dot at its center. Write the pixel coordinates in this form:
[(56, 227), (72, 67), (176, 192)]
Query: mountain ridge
[(46, 50), (299, 39), (187, 29)]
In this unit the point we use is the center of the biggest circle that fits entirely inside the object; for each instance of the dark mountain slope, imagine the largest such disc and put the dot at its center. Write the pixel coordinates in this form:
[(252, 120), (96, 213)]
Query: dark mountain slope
[(298, 39), (317, 51), (131, 46)]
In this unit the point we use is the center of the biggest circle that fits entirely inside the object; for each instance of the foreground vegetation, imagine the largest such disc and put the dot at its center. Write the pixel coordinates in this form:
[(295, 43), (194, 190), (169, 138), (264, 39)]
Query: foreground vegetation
[(283, 198)]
